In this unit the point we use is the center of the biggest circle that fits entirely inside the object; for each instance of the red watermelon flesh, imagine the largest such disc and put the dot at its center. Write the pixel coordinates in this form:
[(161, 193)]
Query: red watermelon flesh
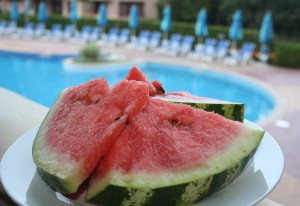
[(83, 125), (165, 138), (169, 136), (155, 87)]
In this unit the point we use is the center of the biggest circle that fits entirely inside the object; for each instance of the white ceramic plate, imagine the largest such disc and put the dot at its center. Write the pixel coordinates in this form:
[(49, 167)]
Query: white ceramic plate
[(23, 184)]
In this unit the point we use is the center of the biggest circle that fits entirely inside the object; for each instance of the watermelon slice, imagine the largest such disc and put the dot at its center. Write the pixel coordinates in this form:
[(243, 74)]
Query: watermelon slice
[(172, 154), (230, 110), (81, 126), (136, 74), (138, 149)]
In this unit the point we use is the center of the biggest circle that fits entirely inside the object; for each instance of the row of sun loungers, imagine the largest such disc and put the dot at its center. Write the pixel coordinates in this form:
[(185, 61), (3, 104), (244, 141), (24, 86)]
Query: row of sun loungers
[(177, 44), (7, 27), (28, 31)]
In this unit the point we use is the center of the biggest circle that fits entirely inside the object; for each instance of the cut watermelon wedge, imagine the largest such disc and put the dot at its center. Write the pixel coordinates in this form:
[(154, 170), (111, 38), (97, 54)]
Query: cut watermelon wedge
[(138, 146), (136, 74), (172, 154), (81, 126), (230, 110)]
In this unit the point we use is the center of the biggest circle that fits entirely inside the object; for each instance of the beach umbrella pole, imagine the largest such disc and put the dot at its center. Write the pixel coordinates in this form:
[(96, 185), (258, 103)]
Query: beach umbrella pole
[(200, 39), (264, 53), (75, 25), (233, 44), (165, 35), (264, 48)]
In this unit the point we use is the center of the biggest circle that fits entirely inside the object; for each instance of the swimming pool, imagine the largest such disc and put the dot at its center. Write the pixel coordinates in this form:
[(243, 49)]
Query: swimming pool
[(41, 78)]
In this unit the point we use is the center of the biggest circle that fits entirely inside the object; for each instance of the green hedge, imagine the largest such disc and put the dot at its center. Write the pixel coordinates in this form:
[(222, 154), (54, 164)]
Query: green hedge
[(286, 54)]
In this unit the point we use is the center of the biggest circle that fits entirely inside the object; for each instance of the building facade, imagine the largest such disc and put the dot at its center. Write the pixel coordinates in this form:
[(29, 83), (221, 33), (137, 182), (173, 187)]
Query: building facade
[(116, 9)]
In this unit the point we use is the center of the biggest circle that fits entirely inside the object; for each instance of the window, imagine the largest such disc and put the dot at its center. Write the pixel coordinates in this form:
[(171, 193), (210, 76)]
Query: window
[(56, 7), (125, 8)]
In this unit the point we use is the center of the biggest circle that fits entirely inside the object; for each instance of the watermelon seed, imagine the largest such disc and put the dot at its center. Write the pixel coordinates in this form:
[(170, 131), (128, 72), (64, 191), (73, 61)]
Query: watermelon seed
[(174, 122), (162, 90), (96, 101), (117, 118)]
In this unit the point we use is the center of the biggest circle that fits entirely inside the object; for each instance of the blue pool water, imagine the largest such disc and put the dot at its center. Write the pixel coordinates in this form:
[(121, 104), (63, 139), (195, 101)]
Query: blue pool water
[(41, 78)]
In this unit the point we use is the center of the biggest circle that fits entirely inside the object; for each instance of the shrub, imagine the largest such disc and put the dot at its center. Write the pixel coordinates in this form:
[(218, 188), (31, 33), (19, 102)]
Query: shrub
[(287, 54), (89, 53)]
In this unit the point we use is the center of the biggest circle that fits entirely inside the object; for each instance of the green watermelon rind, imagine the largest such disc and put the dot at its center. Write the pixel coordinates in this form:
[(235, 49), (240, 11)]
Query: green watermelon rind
[(232, 111), (183, 188), (60, 181)]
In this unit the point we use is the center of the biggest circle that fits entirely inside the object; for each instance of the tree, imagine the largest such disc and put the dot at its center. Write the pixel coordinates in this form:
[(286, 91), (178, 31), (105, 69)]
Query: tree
[(286, 14)]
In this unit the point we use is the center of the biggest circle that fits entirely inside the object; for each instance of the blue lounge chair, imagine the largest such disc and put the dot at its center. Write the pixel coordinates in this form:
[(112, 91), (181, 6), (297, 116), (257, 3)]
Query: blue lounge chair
[(84, 34), (55, 33), (11, 28), (95, 34), (243, 56), (3, 25), (246, 52), (218, 51), (142, 41), (204, 50), (68, 32), (186, 44), (123, 37), (173, 44), (154, 40), (143, 38), (39, 30), (111, 39), (222, 49), (209, 48), (27, 31)]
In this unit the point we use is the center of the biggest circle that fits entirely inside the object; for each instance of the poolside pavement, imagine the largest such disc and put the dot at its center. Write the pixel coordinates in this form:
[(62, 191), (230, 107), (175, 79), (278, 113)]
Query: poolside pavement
[(282, 124)]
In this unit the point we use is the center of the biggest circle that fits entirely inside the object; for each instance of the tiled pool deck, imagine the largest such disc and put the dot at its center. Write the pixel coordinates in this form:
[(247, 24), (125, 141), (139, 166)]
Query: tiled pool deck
[(282, 124)]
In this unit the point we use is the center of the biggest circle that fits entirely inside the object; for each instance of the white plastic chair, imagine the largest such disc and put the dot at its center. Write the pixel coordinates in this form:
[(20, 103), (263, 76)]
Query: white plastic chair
[(11, 28), (111, 38), (141, 42), (154, 40), (54, 34), (123, 37), (95, 34), (201, 51), (68, 32), (27, 32), (243, 56), (39, 30), (168, 46), (186, 45), (3, 25)]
